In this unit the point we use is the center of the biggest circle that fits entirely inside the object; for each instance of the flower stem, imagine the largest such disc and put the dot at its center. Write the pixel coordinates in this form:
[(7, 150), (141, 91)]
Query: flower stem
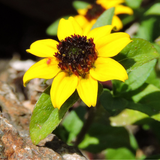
[(88, 122)]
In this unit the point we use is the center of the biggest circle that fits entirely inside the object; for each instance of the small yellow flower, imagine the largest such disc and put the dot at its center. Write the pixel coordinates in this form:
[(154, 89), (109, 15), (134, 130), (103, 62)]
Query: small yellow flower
[(78, 61), (88, 16)]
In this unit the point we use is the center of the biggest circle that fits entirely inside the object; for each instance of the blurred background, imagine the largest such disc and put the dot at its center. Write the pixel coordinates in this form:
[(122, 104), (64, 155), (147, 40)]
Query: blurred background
[(23, 22)]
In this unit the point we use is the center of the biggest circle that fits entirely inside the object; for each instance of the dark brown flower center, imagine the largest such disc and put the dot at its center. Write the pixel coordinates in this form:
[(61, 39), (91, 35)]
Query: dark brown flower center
[(94, 12), (76, 54)]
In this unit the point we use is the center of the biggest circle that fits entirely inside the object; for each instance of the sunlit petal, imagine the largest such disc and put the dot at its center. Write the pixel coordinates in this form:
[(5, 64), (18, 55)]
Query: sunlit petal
[(109, 3), (82, 11), (88, 90), (43, 48), (108, 69), (67, 28), (87, 28), (46, 68), (110, 38), (82, 21), (99, 32), (62, 88), (114, 47), (120, 9), (117, 23)]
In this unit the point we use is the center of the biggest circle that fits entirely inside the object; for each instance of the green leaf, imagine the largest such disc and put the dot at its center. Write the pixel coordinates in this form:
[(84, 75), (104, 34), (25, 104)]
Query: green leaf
[(149, 28), (138, 76), (112, 104), (126, 19), (120, 88), (105, 18), (73, 122), (144, 91), (157, 44), (116, 106), (135, 113), (146, 100), (137, 53), (153, 79), (61, 133), (152, 100), (100, 89), (146, 104), (52, 29), (45, 118), (120, 153), (80, 5), (133, 141), (148, 110), (153, 10), (127, 117), (133, 4), (138, 58), (101, 136)]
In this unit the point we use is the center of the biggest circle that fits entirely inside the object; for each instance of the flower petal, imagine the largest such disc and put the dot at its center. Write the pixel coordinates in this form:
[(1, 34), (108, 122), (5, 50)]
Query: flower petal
[(113, 47), (109, 3), (46, 68), (43, 48), (120, 9), (117, 23), (83, 11), (110, 38), (67, 28), (108, 69), (88, 89), (99, 32), (62, 88), (82, 21), (87, 28)]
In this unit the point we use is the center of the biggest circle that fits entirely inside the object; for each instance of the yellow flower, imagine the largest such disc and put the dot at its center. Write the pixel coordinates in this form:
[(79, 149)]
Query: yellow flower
[(78, 61), (88, 16)]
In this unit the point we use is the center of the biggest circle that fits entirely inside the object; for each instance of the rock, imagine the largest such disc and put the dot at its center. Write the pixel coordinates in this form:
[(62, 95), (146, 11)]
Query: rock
[(15, 143), (19, 65), (15, 146), (67, 152), (12, 107)]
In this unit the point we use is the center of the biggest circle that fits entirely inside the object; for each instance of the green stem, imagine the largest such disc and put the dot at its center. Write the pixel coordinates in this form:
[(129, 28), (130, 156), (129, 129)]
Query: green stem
[(87, 124)]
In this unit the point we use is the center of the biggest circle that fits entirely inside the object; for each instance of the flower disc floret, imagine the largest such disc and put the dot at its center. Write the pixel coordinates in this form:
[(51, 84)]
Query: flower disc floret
[(76, 55), (94, 12)]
